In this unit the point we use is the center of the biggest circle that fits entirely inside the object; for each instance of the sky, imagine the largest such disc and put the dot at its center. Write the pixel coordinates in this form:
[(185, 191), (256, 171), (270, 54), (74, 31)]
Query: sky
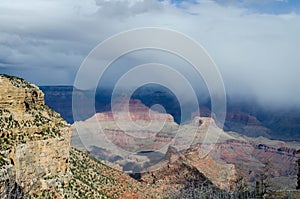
[(254, 43)]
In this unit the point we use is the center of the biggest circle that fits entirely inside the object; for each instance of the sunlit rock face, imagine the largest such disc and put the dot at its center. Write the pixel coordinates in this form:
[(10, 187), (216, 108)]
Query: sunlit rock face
[(132, 110), (231, 155), (18, 95), (35, 141), (125, 131)]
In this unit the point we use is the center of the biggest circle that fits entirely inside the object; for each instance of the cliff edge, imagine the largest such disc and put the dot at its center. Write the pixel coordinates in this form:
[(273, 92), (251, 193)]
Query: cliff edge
[(35, 140)]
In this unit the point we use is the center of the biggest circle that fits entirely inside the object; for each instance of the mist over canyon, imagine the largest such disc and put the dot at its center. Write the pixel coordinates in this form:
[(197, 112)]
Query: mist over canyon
[(244, 115)]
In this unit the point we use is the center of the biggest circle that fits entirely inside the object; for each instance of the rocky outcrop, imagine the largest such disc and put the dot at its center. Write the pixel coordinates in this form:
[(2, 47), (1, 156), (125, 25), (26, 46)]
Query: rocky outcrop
[(222, 174), (18, 95), (252, 160), (137, 130), (251, 157), (35, 141), (176, 177), (218, 174), (136, 111)]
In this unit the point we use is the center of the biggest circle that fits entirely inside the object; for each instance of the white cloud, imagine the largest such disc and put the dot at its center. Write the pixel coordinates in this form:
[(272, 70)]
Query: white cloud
[(255, 52)]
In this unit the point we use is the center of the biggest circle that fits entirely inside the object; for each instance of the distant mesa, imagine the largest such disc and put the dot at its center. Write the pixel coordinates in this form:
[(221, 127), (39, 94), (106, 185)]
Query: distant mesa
[(132, 110), (135, 128)]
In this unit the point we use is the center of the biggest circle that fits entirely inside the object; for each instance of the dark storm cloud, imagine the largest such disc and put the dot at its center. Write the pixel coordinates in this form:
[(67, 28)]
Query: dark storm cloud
[(46, 41)]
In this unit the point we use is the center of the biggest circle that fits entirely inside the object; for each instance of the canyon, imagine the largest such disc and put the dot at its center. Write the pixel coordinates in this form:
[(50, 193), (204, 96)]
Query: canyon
[(231, 156), (38, 161), (131, 152)]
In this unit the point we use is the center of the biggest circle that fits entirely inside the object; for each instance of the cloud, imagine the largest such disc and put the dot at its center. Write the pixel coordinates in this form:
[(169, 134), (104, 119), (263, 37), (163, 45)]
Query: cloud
[(256, 51), (125, 8), (265, 6)]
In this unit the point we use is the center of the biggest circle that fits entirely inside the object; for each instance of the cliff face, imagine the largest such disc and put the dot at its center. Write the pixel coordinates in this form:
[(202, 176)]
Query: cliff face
[(35, 141), (36, 160), (18, 96)]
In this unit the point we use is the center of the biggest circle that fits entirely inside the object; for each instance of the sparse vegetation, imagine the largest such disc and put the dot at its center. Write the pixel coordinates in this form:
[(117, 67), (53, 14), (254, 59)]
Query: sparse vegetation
[(10, 189), (3, 161), (36, 127), (18, 82), (91, 179)]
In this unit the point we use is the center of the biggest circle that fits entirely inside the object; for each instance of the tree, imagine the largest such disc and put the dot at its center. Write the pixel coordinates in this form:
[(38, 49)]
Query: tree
[(9, 189), (264, 184), (298, 174)]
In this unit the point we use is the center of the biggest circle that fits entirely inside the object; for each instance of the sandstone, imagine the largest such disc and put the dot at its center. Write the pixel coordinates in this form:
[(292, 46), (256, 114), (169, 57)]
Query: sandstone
[(35, 141), (17, 95), (136, 111)]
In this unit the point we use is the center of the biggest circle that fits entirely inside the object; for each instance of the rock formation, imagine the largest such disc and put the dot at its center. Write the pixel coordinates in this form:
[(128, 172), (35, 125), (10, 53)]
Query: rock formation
[(138, 130), (36, 160), (224, 177), (232, 156), (35, 141)]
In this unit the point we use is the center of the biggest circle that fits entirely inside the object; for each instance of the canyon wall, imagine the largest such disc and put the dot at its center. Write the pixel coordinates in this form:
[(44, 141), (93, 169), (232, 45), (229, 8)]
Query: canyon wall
[(35, 141)]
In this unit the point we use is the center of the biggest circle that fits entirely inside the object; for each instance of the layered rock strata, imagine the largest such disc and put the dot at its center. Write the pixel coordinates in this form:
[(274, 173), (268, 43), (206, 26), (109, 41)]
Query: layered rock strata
[(35, 141)]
